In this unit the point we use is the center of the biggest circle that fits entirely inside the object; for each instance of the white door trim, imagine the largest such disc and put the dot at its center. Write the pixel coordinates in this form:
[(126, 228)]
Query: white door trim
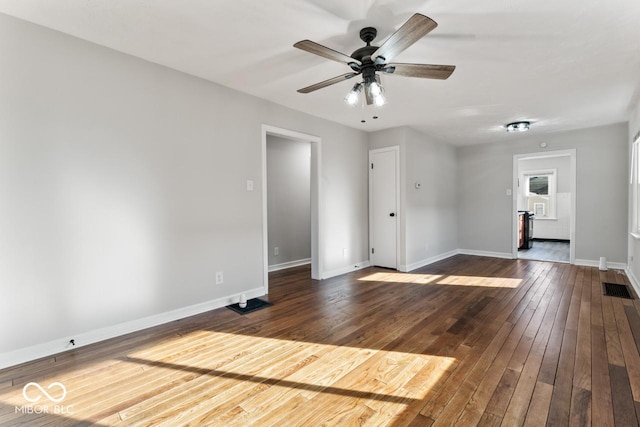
[(399, 211), (317, 266), (572, 182)]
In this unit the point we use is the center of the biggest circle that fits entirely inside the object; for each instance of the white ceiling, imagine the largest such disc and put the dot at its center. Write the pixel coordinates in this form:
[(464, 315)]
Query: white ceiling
[(562, 64)]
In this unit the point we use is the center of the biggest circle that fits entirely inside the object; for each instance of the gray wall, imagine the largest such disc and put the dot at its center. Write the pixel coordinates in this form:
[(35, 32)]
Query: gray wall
[(428, 216), (430, 211), (123, 188), (289, 199), (485, 173)]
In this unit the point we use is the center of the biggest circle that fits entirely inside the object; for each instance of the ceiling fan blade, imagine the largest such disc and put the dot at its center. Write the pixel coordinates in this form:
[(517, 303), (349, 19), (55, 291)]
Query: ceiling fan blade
[(425, 71), (326, 83), (411, 31), (325, 52)]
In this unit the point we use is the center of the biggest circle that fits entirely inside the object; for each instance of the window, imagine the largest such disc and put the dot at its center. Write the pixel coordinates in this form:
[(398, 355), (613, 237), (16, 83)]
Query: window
[(539, 185), (540, 193)]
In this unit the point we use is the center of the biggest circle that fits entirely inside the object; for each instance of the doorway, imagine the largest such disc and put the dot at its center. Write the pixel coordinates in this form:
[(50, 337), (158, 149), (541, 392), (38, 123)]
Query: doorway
[(288, 202), (314, 192), (544, 206), (384, 202)]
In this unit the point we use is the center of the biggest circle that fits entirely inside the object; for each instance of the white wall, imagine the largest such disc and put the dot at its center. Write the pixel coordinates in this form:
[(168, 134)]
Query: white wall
[(428, 216), (289, 199), (560, 226), (123, 189), (485, 173)]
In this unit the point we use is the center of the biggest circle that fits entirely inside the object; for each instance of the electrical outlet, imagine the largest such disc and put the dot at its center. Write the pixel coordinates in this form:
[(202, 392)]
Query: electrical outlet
[(219, 278), (276, 251), (344, 252)]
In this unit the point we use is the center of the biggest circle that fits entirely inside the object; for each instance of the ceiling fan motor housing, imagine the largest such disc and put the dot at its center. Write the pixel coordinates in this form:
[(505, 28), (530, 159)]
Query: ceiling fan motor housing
[(367, 34), (367, 67)]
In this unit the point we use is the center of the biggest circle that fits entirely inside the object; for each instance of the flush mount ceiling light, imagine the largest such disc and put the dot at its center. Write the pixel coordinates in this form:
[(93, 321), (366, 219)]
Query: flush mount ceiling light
[(518, 126)]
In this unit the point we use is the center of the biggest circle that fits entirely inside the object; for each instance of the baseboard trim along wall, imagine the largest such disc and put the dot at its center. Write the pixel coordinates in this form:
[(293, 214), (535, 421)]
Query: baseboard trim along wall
[(594, 263), (349, 269), (425, 262), (290, 264), (506, 255), (60, 345)]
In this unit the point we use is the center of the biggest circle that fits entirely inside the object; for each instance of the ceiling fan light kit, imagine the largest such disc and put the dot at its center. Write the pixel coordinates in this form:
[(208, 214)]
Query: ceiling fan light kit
[(352, 96), (369, 60), (522, 126)]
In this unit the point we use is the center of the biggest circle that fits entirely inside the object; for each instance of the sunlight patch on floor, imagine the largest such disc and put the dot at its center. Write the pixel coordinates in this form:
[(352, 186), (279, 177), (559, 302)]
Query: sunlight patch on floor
[(209, 369), (450, 280), (269, 371)]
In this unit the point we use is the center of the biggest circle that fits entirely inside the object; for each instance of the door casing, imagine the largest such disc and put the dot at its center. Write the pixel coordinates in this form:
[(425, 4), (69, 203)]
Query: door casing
[(317, 266), (572, 183)]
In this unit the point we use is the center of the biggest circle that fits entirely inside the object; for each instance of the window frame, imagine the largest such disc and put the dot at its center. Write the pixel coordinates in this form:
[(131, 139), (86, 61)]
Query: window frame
[(552, 175)]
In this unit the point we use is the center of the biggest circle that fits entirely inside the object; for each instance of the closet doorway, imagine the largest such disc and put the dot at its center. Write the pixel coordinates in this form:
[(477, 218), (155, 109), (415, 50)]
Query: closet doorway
[(315, 191)]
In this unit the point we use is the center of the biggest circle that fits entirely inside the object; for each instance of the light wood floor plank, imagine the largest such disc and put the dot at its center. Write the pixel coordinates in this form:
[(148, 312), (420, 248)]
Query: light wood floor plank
[(539, 405)]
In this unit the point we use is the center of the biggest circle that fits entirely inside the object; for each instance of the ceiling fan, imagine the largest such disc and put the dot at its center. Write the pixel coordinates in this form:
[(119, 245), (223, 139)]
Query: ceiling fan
[(369, 60)]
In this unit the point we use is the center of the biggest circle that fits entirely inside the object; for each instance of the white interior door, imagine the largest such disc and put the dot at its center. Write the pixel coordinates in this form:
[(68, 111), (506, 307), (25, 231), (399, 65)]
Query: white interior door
[(383, 206)]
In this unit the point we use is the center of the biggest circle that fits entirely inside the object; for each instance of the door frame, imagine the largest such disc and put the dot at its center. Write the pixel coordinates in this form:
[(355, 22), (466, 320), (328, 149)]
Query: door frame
[(317, 266), (572, 184), (399, 210)]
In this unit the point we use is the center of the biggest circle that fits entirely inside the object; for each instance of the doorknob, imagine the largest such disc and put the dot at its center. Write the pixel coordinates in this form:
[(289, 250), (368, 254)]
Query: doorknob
[(392, 214)]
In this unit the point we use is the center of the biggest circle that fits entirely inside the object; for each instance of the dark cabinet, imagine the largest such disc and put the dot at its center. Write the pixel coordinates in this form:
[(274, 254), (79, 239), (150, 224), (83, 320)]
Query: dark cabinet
[(525, 229)]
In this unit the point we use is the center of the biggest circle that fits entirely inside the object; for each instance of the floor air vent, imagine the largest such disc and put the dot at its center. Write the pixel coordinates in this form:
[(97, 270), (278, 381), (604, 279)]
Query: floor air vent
[(616, 290)]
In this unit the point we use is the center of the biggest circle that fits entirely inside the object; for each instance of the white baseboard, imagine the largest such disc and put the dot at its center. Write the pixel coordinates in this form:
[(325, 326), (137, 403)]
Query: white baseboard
[(633, 279), (62, 344), (425, 262), (290, 264), (596, 263), (337, 272), (485, 253)]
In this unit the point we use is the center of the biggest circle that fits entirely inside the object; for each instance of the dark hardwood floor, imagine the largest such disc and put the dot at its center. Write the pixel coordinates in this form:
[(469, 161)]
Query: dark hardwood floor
[(466, 341)]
